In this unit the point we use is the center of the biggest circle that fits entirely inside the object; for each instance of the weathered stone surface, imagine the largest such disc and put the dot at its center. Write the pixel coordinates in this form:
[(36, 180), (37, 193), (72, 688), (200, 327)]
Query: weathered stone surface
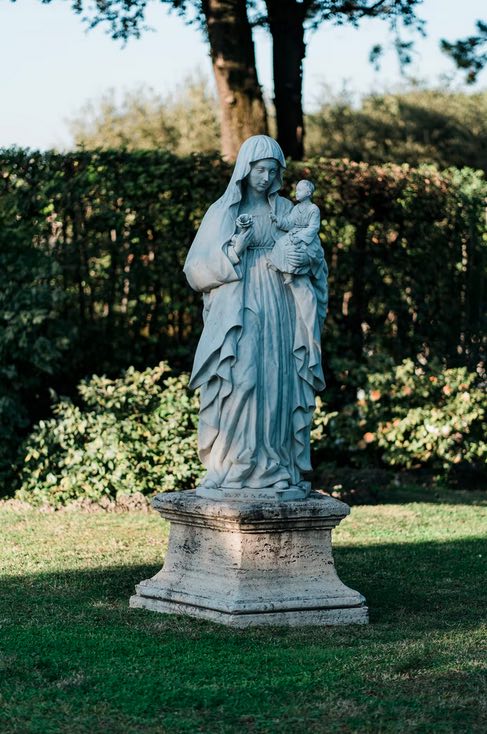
[(258, 363), (251, 562)]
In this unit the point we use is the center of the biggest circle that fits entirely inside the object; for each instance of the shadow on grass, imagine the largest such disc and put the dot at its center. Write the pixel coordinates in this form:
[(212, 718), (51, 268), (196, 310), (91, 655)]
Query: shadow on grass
[(431, 581), (373, 486), (405, 495), (77, 659), (430, 495)]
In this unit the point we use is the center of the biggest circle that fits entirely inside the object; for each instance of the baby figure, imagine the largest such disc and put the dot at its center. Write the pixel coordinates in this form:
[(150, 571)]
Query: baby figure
[(302, 226)]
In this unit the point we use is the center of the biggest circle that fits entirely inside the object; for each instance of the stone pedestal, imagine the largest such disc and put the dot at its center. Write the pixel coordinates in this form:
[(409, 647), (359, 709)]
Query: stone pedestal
[(251, 562)]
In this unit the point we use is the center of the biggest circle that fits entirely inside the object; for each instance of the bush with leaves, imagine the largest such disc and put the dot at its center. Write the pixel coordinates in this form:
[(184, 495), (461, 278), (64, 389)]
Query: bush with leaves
[(138, 433), (34, 332), (93, 245), (133, 434), (409, 415)]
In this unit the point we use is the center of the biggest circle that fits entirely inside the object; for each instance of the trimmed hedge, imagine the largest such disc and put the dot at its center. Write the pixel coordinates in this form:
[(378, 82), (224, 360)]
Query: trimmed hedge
[(92, 246)]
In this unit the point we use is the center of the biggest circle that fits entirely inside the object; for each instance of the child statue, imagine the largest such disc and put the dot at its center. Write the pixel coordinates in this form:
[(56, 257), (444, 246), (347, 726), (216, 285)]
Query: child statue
[(302, 226)]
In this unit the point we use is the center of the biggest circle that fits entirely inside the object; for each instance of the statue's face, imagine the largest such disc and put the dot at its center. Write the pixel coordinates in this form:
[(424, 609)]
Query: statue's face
[(262, 174), (302, 190)]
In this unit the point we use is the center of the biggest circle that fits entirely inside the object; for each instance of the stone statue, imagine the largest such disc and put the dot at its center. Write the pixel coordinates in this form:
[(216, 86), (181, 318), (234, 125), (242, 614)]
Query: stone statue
[(303, 226), (258, 362), (261, 555)]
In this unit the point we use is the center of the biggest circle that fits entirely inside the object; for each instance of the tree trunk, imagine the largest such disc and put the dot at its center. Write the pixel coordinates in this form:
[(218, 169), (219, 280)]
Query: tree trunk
[(286, 24), (242, 106)]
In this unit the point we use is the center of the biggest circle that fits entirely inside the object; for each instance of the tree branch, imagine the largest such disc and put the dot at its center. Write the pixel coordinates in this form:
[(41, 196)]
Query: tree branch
[(469, 54)]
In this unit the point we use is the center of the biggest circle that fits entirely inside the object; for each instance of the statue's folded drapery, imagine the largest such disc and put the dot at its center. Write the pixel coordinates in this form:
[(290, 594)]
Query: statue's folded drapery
[(258, 361)]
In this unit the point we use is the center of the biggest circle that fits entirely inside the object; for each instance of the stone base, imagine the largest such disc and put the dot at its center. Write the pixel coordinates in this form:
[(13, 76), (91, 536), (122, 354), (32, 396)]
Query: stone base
[(298, 618), (251, 562)]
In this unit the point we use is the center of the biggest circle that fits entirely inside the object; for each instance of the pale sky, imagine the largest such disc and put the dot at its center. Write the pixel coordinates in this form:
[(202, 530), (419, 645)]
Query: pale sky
[(50, 65)]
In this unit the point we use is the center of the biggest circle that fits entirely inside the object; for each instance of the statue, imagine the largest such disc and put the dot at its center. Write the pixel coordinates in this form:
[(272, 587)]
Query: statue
[(261, 554), (258, 362), (303, 226)]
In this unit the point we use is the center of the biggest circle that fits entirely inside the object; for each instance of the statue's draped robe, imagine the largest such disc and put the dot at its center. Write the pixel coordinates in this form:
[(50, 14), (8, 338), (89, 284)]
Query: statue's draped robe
[(258, 361)]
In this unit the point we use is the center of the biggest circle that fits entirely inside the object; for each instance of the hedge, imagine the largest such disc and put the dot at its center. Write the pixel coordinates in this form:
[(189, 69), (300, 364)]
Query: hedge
[(92, 246)]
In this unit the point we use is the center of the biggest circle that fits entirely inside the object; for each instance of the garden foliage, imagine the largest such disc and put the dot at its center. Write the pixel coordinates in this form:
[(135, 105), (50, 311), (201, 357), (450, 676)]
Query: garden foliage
[(135, 433), (138, 432), (408, 415), (183, 122), (414, 126), (34, 332), (93, 243)]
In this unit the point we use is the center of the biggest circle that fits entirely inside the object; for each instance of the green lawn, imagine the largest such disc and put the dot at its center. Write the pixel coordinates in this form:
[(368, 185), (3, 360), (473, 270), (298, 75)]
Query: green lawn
[(75, 658)]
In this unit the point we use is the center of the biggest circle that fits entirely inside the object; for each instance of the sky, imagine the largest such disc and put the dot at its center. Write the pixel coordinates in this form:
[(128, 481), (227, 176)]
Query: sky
[(50, 65)]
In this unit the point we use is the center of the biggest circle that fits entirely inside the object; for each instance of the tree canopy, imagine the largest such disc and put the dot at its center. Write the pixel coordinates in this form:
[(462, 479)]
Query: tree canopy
[(183, 121), (469, 54), (414, 126), (228, 24)]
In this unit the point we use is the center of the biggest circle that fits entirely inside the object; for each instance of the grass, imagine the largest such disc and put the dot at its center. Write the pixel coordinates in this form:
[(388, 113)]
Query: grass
[(75, 659)]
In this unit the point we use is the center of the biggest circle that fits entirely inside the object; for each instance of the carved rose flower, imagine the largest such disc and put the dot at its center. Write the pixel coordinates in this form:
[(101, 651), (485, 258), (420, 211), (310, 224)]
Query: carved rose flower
[(244, 221)]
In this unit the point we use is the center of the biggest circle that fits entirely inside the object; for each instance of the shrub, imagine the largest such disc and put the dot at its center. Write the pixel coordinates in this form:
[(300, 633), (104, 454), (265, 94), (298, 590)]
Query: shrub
[(138, 433), (415, 126), (34, 333), (133, 434), (405, 249), (409, 415), (92, 246)]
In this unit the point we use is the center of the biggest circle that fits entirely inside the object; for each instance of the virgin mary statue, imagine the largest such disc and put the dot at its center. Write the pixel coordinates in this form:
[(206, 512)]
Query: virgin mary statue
[(258, 362)]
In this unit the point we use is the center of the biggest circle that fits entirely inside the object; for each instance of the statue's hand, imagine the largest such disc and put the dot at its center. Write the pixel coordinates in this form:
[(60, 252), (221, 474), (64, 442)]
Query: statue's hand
[(244, 239), (298, 257)]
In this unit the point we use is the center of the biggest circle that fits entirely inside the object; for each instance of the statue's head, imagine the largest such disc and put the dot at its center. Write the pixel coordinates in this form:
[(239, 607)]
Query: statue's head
[(304, 189), (260, 163)]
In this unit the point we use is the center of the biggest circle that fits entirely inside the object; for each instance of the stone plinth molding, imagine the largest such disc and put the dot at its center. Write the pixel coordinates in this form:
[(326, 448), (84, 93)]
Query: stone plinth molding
[(251, 562)]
